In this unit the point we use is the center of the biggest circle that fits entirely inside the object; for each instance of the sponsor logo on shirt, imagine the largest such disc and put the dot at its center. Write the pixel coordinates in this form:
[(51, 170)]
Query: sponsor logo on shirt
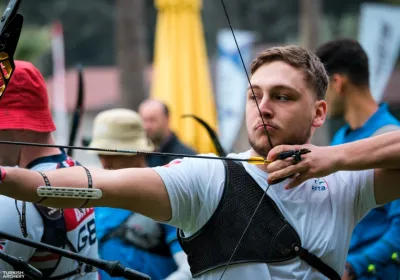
[(319, 185)]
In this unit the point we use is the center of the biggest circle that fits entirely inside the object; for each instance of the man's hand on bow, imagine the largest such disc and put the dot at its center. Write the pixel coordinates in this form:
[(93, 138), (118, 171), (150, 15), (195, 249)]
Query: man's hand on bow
[(321, 161)]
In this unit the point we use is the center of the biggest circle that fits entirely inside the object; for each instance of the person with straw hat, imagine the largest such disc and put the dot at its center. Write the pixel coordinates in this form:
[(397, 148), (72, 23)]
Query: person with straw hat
[(136, 241)]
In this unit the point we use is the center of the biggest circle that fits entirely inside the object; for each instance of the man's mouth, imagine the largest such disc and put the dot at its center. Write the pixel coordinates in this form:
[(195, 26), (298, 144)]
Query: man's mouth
[(267, 126)]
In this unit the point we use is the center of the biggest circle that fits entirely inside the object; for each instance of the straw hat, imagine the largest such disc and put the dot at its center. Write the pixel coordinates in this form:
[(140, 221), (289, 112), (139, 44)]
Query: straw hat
[(120, 129)]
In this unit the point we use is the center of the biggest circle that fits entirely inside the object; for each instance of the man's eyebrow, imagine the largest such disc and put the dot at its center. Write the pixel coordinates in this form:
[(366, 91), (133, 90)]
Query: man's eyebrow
[(253, 86), (275, 87), (286, 87)]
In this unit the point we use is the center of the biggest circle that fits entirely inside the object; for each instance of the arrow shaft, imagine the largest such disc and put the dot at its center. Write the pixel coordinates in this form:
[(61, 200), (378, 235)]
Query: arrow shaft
[(254, 160)]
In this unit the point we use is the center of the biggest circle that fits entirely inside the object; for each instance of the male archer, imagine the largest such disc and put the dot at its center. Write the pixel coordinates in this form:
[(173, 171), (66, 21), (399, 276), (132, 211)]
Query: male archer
[(25, 116), (300, 230)]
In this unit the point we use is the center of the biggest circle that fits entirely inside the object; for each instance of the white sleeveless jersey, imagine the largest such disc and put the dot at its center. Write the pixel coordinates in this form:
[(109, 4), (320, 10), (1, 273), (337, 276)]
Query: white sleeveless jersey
[(80, 227)]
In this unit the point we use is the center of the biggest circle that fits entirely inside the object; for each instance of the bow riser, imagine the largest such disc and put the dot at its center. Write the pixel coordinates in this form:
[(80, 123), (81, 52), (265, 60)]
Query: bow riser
[(11, 26)]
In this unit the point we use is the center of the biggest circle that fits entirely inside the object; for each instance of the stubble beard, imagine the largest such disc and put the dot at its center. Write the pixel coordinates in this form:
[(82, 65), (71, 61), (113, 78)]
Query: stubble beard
[(263, 148)]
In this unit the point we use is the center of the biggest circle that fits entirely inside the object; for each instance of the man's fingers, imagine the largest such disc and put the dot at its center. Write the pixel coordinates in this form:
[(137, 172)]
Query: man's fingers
[(286, 172), (279, 164), (274, 152)]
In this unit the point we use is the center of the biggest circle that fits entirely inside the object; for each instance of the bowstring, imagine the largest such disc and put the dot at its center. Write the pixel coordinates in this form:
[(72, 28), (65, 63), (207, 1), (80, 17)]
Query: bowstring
[(266, 131)]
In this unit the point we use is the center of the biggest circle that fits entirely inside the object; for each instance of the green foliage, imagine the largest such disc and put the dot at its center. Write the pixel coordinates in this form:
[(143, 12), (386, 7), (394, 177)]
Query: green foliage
[(271, 20), (33, 44), (393, 2), (34, 40), (345, 26)]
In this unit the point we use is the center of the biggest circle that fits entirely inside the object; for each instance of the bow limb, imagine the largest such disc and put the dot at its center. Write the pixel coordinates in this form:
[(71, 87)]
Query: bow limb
[(213, 135), (79, 110)]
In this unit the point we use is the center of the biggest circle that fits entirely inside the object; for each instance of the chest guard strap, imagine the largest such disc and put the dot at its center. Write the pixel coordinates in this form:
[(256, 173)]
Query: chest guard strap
[(269, 238)]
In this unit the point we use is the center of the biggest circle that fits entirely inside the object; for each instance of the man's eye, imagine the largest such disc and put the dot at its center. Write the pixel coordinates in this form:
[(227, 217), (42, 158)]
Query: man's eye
[(282, 97), (254, 96)]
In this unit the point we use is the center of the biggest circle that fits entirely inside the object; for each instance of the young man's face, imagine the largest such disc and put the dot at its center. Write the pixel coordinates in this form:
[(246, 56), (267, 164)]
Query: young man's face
[(289, 107)]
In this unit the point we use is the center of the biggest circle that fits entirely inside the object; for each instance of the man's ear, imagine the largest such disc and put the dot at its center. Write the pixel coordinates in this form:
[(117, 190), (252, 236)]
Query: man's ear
[(338, 82), (320, 113)]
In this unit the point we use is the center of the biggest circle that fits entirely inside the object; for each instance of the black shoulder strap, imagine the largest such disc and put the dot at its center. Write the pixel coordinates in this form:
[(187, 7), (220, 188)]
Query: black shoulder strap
[(317, 263)]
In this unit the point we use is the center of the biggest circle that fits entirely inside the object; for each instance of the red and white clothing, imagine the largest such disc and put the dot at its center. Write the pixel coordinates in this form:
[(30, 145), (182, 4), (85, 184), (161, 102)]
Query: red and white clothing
[(80, 227)]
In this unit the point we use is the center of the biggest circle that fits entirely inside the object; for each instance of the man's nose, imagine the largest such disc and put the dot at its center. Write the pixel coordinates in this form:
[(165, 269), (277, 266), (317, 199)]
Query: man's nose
[(265, 106)]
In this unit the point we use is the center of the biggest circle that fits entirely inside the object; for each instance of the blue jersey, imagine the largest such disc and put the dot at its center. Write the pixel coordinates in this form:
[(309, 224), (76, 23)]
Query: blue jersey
[(377, 236), (136, 242)]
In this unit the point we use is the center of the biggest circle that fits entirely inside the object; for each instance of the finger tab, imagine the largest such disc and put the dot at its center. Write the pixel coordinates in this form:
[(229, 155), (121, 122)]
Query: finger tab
[(285, 155)]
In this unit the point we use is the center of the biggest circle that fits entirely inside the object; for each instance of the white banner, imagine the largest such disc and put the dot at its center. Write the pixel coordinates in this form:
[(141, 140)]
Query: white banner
[(231, 83), (379, 34), (59, 105)]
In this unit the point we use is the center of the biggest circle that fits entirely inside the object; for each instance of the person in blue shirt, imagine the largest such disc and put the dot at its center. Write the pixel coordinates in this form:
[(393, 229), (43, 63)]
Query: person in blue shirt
[(375, 242), (136, 241)]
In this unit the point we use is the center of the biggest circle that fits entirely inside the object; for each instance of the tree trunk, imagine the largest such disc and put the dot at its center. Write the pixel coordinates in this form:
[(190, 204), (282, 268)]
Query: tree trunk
[(309, 22), (131, 51), (310, 11)]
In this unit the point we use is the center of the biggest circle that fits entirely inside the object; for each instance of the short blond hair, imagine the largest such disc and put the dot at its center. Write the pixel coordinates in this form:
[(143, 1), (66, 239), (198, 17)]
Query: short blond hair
[(300, 58)]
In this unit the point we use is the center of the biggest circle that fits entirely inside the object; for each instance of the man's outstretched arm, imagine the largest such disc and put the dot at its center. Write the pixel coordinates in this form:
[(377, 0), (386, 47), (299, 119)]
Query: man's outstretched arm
[(137, 189), (381, 153)]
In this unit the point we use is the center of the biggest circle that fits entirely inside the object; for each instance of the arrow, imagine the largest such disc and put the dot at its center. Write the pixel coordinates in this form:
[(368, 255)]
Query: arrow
[(251, 160)]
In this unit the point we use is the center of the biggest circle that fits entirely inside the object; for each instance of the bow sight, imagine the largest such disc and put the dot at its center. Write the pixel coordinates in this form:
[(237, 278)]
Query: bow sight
[(10, 29)]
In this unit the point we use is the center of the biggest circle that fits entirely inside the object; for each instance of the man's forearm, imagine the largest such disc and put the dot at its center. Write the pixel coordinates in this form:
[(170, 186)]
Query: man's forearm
[(137, 189), (381, 151), (22, 184)]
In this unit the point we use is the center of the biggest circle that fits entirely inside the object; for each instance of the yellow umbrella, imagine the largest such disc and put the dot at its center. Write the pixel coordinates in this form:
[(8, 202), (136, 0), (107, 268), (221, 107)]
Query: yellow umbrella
[(181, 71)]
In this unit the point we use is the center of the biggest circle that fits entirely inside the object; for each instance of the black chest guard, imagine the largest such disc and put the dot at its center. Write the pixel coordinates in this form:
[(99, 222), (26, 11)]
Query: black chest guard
[(269, 238)]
